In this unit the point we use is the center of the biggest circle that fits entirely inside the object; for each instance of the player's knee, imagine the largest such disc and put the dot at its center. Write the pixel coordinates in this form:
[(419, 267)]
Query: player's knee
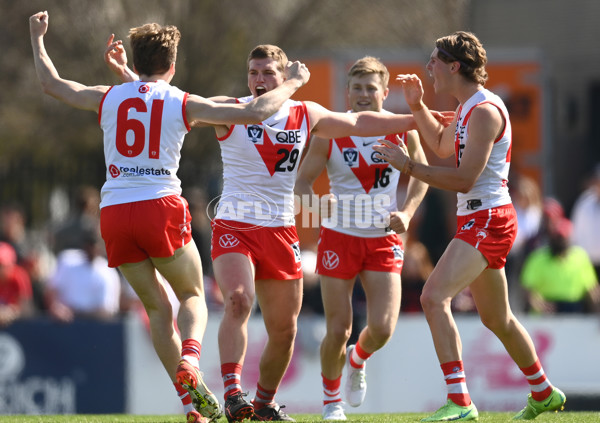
[(497, 324), (339, 334), (284, 336), (432, 303), (239, 304), (381, 333), (159, 315)]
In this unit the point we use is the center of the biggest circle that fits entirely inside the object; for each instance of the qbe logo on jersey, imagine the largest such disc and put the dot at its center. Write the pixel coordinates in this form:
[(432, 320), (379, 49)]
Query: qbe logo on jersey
[(330, 260)]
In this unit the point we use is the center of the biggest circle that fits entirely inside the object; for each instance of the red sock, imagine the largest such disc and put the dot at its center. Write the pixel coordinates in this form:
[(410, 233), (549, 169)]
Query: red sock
[(232, 378), (454, 374), (263, 397), (190, 351), (538, 382), (359, 356), (331, 390), (185, 398)]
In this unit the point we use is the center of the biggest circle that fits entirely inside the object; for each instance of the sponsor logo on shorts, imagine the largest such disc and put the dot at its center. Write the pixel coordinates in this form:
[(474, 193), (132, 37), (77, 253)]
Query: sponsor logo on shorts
[(228, 241), (330, 260)]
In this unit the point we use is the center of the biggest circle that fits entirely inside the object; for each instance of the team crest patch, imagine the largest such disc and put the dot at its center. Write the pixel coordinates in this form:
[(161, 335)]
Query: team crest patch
[(255, 134), (398, 252), (482, 234), (296, 249), (350, 156), (184, 228)]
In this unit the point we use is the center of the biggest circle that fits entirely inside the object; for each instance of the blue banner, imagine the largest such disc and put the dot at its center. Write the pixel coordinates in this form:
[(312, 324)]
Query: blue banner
[(48, 367)]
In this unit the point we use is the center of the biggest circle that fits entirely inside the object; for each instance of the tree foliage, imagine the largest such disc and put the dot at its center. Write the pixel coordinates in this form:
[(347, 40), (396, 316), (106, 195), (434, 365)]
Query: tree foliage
[(40, 138)]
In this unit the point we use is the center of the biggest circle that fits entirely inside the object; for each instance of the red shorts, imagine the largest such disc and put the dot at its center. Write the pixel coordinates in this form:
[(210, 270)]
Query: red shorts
[(135, 231), (491, 231), (344, 256), (274, 251)]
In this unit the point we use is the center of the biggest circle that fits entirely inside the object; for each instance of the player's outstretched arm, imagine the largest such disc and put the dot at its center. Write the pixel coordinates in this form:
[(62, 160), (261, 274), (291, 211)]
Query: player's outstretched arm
[(328, 124), (255, 111), (70, 92)]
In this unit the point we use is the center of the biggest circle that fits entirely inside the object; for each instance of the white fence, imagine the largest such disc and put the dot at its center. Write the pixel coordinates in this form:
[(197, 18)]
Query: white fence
[(404, 376)]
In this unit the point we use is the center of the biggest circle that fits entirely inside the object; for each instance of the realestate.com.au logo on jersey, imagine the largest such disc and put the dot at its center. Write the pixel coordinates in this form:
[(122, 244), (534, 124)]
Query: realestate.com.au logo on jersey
[(126, 172), (357, 211)]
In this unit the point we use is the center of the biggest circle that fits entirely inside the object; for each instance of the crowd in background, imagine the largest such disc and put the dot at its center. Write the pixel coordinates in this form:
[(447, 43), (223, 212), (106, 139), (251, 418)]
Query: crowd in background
[(62, 272)]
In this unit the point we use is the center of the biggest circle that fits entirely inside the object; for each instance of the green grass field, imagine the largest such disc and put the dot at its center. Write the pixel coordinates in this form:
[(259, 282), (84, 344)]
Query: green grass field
[(491, 417)]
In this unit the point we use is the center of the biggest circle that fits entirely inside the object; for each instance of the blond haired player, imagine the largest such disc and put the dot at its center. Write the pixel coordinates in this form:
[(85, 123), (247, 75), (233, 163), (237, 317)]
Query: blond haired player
[(145, 222), (362, 241), (480, 141)]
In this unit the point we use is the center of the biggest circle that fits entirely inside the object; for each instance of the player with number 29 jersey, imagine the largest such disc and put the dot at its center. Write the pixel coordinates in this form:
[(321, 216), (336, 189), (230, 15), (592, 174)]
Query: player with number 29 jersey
[(144, 126), (260, 163)]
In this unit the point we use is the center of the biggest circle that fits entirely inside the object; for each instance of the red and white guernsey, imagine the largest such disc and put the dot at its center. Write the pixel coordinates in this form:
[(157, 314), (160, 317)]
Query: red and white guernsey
[(260, 163), (491, 188), (144, 126), (364, 185)]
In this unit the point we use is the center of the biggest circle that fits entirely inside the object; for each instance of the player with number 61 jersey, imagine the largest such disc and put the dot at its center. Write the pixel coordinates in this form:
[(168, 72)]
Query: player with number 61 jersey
[(144, 126)]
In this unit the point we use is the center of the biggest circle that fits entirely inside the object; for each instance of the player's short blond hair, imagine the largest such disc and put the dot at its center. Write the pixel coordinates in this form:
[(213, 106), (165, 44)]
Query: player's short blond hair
[(465, 48), (265, 51), (154, 47), (369, 65)]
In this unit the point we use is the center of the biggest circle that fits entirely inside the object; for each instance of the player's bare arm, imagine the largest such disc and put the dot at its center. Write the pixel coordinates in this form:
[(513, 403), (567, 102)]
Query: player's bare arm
[(439, 137), (400, 220), (312, 166), (70, 92), (485, 126), (253, 112), (328, 124)]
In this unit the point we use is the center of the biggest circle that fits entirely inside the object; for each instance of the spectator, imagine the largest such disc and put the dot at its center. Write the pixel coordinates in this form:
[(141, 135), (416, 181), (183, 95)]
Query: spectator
[(31, 248), (86, 216), (15, 287), (528, 203), (552, 211), (84, 285), (586, 220), (559, 276), (527, 199)]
